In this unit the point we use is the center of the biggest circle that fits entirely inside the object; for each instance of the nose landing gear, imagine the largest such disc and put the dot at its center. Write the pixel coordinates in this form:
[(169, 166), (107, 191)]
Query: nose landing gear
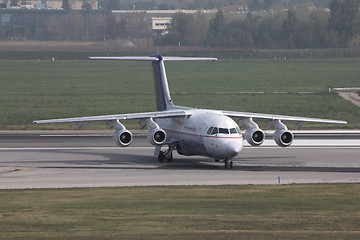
[(228, 164)]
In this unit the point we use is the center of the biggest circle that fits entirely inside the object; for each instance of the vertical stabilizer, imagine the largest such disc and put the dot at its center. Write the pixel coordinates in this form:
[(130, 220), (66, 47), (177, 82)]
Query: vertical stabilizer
[(162, 93)]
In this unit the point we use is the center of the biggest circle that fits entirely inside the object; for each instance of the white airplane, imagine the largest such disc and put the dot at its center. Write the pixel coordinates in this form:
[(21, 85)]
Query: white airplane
[(189, 131)]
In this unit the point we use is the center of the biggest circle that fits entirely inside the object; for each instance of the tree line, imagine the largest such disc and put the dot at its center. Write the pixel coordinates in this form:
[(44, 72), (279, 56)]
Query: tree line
[(339, 28), (279, 29), (252, 5)]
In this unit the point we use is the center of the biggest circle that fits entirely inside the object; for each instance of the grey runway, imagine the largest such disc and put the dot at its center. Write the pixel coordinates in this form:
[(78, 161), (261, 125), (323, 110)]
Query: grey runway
[(91, 159)]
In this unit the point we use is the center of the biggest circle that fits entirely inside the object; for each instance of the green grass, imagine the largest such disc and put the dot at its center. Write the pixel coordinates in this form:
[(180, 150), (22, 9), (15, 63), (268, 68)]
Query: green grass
[(315, 211), (32, 89)]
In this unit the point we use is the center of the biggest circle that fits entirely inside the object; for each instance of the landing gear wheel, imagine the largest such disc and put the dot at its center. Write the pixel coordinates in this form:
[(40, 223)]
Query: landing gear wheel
[(165, 155), (169, 157), (228, 164), (161, 156)]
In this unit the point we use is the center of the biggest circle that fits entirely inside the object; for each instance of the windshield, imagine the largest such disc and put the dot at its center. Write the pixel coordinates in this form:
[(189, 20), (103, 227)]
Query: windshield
[(215, 130)]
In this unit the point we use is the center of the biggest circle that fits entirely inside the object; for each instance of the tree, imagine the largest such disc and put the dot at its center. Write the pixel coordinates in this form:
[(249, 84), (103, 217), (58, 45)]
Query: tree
[(14, 2), (53, 28), (257, 5), (112, 28), (344, 18), (199, 29), (180, 30), (336, 16), (319, 29), (113, 5), (350, 12), (97, 26), (270, 30), (289, 25), (236, 35), (75, 29), (163, 6), (66, 5), (215, 29), (135, 25), (288, 30), (86, 6)]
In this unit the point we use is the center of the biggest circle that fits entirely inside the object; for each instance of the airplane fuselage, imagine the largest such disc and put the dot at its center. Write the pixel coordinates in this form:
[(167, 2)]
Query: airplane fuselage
[(204, 132)]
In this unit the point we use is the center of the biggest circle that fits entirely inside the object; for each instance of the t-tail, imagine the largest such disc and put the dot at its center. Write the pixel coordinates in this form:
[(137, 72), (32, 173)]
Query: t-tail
[(162, 92)]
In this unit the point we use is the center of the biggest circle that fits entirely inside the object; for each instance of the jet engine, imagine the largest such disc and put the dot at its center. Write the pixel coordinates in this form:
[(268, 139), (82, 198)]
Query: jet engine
[(254, 136), (156, 136), (283, 137), (122, 137)]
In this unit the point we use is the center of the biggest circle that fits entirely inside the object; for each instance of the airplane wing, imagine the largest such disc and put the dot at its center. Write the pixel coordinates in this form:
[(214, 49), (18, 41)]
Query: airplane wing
[(159, 114), (279, 117)]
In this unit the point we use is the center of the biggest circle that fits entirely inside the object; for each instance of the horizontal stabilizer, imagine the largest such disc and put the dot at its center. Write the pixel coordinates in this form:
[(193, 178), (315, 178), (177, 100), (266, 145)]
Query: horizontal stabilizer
[(154, 58), (126, 58)]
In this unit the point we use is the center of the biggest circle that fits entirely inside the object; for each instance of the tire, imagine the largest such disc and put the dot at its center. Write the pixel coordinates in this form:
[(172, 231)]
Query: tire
[(169, 159), (161, 157)]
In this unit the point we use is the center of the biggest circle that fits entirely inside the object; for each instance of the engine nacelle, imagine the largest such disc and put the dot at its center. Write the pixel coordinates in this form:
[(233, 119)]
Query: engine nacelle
[(254, 136), (122, 137), (283, 137), (156, 136)]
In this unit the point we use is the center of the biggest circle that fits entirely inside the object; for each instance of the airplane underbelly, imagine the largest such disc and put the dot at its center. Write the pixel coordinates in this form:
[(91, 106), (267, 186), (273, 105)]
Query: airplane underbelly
[(188, 144), (192, 147)]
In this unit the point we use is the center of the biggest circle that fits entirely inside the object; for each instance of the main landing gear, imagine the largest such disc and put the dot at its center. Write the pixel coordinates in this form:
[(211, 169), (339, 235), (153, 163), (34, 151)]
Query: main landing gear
[(167, 155), (164, 156)]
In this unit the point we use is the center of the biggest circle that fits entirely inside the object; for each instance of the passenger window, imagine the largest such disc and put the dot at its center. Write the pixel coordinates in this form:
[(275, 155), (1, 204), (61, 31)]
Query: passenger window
[(233, 131), (224, 130), (210, 130), (215, 131)]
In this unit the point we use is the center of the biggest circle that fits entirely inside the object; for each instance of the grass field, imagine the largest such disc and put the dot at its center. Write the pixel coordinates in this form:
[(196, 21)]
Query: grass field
[(315, 211), (34, 89)]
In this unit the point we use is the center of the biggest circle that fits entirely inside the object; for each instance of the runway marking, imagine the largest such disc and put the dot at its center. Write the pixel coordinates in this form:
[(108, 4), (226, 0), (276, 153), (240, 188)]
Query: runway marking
[(14, 170)]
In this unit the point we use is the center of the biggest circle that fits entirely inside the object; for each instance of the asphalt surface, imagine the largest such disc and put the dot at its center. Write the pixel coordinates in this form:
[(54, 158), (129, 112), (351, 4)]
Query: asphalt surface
[(48, 159)]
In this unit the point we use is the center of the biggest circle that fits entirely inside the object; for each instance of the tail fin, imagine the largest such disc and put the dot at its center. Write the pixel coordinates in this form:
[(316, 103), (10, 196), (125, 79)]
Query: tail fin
[(162, 93)]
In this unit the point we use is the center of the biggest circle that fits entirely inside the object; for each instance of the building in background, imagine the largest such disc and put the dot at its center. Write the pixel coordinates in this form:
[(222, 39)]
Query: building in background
[(48, 4)]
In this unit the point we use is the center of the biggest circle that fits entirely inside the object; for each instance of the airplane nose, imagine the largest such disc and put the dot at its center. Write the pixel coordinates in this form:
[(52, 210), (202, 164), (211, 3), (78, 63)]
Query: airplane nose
[(233, 149)]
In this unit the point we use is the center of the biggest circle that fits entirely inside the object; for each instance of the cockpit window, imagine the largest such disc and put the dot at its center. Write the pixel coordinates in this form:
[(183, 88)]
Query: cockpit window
[(214, 131), (224, 130), (233, 131)]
